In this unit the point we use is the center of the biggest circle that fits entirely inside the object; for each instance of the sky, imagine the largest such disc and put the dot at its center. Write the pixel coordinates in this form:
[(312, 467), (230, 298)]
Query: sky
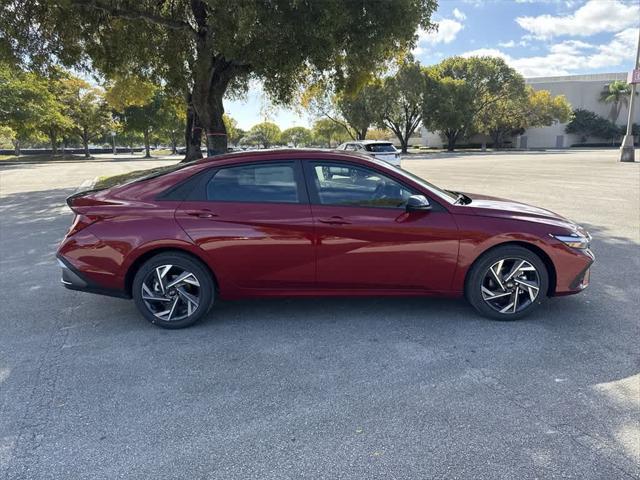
[(536, 37)]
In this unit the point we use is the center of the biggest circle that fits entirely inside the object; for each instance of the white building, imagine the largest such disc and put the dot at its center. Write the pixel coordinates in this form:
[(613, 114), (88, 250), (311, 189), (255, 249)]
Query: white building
[(582, 91)]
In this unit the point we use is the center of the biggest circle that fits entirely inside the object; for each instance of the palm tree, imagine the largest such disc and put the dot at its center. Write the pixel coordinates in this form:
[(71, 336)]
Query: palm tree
[(617, 94)]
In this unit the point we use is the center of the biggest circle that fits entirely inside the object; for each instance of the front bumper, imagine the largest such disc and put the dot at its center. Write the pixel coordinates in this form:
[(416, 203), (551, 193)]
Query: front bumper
[(575, 274)]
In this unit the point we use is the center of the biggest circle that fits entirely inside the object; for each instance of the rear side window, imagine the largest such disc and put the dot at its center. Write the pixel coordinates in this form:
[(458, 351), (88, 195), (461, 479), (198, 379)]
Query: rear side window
[(272, 183), (380, 147)]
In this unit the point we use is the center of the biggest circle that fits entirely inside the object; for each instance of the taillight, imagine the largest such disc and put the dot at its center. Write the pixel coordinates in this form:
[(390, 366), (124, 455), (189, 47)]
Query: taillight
[(81, 221)]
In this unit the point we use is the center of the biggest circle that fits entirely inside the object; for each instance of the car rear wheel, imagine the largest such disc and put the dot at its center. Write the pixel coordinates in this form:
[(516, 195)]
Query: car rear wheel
[(507, 283), (173, 290)]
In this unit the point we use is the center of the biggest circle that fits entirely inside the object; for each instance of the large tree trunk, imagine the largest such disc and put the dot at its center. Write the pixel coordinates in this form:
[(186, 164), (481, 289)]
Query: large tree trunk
[(452, 136), (212, 75), (192, 134), (53, 138), (147, 144), (85, 144)]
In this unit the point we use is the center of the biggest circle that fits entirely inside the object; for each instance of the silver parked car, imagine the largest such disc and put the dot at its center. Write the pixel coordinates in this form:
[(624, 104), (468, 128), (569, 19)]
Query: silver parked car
[(376, 148)]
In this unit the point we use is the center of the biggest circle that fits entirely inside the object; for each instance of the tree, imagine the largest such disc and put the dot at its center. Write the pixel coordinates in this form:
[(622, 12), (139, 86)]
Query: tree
[(589, 124), (379, 134), (55, 122), (447, 107), (401, 102), (171, 119), (512, 115), (24, 101), (617, 94), (203, 48), (234, 133), (297, 136), (478, 84), (7, 136), (355, 112), (265, 134), (141, 107), (325, 131), (359, 110), (88, 111)]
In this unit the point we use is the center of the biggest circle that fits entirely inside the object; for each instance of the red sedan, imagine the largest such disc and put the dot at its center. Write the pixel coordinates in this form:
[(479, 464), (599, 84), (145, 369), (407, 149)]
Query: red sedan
[(305, 223)]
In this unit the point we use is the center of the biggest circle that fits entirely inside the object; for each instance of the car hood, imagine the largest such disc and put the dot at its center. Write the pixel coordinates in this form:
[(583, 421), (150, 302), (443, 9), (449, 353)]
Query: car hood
[(503, 208)]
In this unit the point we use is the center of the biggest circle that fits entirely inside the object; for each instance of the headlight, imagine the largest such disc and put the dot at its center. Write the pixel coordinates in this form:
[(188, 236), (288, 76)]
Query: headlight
[(574, 240)]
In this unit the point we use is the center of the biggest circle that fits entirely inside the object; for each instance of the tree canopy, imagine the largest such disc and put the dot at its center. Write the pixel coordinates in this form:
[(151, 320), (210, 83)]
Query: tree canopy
[(464, 96), (325, 131), (589, 124), (297, 136), (203, 48), (512, 115), (265, 134), (617, 94), (400, 102)]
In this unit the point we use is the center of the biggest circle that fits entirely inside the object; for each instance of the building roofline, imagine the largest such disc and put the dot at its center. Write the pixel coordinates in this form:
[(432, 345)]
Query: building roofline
[(589, 77)]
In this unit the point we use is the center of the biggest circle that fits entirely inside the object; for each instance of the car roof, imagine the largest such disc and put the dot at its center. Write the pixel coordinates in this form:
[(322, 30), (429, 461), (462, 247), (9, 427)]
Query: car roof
[(283, 153), (369, 142)]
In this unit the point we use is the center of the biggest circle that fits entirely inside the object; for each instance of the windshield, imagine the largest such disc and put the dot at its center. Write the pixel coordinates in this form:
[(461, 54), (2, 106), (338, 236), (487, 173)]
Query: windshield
[(380, 147)]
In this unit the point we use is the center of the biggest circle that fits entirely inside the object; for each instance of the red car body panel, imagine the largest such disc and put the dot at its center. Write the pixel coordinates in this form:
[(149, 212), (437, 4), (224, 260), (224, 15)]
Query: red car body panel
[(287, 249)]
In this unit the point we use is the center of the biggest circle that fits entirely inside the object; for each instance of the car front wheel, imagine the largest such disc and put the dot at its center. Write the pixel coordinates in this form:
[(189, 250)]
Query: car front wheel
[(507, 283), (173, 290)]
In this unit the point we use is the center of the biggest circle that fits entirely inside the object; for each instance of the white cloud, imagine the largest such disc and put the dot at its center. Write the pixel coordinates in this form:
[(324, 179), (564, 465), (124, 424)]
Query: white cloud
[(513, 43), (447, 32), (593, 17), (459, 14), (571, 56)]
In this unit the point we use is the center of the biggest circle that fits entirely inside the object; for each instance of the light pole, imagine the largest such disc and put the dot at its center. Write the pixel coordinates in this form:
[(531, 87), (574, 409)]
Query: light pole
[(627, 150), (113, 140)]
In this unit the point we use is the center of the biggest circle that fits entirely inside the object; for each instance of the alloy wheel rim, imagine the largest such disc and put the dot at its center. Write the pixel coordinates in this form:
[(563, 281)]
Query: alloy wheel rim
[(510, 285), (171, 293)]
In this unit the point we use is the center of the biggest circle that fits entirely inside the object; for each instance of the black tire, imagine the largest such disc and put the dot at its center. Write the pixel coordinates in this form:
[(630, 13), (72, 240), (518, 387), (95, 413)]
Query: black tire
[(479, 271), (179, 261)]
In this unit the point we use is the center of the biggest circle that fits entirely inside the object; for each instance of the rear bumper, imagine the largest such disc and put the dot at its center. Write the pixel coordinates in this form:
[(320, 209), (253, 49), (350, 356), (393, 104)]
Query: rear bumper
[(74, 280)]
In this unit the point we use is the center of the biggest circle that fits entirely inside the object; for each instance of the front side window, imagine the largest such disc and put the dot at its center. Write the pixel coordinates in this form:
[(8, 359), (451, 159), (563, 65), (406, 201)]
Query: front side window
[(272, 183), (348, 185)]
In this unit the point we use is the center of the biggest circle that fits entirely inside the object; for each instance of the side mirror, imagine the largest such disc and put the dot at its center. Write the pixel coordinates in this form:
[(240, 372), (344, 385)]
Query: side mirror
[(417, 203)]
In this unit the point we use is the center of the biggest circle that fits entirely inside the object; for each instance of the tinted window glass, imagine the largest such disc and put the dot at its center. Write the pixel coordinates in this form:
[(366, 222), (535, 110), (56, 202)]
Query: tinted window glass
[(350, 146), (380, 147), (358, 187), (254, 183)]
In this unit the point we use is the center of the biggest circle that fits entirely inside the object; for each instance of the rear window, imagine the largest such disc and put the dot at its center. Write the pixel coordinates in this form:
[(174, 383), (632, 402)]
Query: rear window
[(274, 183), (380, 147), (138, 176)]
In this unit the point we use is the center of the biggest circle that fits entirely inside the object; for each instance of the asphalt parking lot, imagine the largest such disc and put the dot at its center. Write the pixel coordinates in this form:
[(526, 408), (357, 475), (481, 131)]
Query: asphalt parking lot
[(328, 388)]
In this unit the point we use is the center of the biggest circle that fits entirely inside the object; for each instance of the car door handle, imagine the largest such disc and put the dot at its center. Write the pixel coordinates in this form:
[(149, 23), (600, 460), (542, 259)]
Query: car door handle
[(334, 221), (201, 213)]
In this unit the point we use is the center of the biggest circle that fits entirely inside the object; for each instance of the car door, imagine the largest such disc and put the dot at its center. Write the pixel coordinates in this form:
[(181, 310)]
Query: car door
[(254, 223), (367, 240)]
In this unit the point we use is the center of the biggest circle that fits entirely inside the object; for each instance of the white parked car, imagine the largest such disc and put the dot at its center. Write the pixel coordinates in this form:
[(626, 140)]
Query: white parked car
[(376, 148)]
